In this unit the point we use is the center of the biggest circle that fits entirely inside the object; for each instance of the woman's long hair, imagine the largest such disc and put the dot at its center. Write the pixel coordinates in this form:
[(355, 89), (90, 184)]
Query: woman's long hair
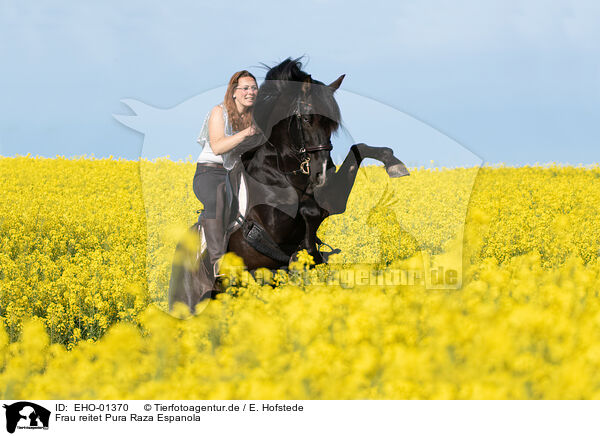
[(237, 122)]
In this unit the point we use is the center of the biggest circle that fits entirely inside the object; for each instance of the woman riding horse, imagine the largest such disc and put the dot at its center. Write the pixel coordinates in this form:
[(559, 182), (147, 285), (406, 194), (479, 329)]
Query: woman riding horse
[(224, 128), (292, 182)]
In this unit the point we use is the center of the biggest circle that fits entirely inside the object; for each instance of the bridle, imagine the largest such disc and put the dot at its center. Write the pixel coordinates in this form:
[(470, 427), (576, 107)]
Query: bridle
[(302, 153)]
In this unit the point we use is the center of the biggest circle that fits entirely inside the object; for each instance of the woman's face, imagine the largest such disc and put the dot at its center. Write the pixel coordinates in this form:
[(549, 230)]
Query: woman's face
[(245, 91)]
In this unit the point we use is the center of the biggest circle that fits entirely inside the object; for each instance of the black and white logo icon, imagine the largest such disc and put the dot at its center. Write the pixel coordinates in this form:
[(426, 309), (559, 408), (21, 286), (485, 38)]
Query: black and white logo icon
[(26, 415)]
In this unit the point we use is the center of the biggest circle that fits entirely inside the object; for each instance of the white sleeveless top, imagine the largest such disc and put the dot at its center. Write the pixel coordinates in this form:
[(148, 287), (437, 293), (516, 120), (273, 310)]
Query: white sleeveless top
[(207, 154)]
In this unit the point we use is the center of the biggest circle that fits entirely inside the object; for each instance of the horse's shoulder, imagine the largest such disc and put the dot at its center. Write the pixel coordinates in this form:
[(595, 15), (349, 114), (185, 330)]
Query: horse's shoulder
[(248, 155)]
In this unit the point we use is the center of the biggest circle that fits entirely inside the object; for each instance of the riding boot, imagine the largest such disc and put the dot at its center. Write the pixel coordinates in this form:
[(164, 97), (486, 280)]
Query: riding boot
[(215, 243)]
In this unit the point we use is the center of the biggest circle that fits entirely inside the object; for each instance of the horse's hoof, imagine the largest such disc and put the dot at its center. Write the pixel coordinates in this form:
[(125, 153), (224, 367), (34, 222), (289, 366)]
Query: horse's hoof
[(397, 170)]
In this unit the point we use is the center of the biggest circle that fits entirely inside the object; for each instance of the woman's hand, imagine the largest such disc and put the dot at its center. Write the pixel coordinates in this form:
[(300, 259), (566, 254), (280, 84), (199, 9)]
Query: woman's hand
[(250, 131), (219, 142)]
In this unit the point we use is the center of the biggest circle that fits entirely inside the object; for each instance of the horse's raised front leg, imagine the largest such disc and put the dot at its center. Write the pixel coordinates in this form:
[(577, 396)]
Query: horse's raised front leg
[(333, 194)]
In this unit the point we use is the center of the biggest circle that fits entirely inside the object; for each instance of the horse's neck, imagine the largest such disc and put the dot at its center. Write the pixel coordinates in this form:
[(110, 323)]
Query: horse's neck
[(256, 162)]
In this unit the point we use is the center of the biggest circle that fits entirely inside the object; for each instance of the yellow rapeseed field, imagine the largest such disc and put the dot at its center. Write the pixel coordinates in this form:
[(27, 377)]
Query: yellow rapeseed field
[(85, 255)]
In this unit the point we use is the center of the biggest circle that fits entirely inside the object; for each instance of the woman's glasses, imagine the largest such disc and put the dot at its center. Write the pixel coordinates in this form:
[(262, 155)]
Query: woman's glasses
[(248, 88)]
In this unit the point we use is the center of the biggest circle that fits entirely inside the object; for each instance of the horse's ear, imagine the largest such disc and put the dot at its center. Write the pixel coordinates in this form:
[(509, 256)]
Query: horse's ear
[(336, 83), (306, 85)]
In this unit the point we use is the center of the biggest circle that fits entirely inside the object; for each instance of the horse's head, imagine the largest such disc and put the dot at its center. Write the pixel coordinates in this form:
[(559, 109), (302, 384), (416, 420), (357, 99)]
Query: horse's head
[(299, 114), (315, 119)]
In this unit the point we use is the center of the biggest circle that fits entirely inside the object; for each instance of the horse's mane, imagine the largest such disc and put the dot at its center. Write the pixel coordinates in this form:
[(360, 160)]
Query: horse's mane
[(289, 70), (280, 92)]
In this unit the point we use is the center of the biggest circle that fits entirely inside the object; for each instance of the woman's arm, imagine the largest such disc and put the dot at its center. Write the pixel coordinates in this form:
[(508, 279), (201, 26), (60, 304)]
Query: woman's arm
[(219, 142)]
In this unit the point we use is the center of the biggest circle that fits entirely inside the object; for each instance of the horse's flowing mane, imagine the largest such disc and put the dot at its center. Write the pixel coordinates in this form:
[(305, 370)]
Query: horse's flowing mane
[(279, 95), (289, 70)]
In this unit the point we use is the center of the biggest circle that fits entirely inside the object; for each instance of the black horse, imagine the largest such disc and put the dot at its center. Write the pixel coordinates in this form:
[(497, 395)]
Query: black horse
[(292, 182)]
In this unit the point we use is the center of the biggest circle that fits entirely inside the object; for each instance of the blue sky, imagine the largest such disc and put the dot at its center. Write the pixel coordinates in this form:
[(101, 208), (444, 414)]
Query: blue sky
[(510, 81)]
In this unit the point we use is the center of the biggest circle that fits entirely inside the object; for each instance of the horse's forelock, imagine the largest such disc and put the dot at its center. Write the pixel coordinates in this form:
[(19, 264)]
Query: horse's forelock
[(326, 105)]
